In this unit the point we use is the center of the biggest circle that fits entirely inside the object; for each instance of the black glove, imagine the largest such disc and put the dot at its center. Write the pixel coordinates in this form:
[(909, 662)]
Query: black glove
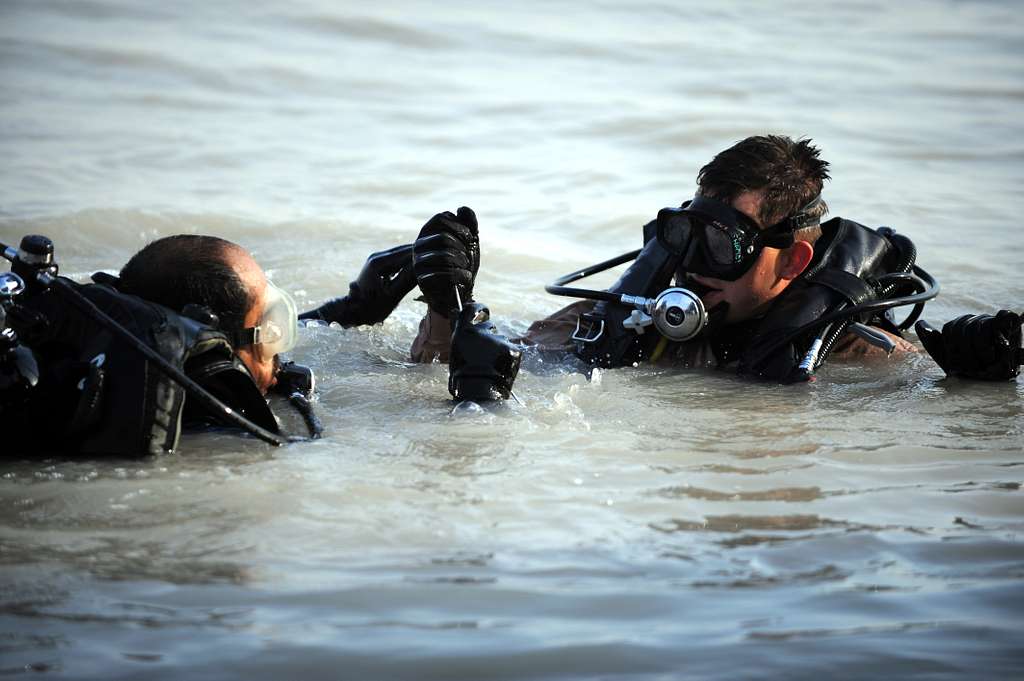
[(483, 364), (382, 283), (446, 255), (294, 378), (976, 346)]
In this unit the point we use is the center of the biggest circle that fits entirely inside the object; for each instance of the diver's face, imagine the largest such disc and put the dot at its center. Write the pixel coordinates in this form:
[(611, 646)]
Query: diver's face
[(750, 295), (263, 369)]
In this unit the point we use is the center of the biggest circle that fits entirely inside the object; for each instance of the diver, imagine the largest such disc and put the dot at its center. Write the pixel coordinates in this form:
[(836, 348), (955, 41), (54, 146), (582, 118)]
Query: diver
[(745, 277), (190, 332)]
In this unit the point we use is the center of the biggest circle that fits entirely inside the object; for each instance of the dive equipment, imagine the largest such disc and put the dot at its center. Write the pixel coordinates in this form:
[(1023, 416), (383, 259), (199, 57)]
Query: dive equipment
[(277, 330), (446, 257), (161, 334), (33, 256), (483, 364), (11, 285), (856, 277), (986, 347), (298, 384), (19, 370), (603, 335), (713, 239)]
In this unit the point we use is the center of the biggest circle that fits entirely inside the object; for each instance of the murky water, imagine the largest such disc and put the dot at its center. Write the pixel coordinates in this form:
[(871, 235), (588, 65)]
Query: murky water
[(649, 524)]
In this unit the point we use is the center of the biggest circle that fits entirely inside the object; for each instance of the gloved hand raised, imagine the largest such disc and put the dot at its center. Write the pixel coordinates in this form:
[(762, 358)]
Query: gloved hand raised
[(976, 346), (385, 279), (446, 255)]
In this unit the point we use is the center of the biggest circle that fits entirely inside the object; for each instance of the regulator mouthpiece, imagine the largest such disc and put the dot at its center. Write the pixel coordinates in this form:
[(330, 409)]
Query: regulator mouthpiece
[(677, 313)]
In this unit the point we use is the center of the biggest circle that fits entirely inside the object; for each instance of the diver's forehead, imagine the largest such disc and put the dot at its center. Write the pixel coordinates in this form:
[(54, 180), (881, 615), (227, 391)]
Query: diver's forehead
[(253, 278), (247, 268)]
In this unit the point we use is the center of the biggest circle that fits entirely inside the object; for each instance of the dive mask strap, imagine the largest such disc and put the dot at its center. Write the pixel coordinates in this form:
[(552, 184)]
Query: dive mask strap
[(803, 218), (278, 325), (782, 234), (243, 338)]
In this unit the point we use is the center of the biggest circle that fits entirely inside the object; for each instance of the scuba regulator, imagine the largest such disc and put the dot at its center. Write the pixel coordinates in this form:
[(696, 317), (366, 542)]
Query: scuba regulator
[(614, 332), (19, 370)]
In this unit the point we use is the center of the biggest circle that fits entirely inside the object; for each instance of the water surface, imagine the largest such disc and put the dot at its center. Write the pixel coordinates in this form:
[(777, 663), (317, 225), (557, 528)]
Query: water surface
[(648, 524)]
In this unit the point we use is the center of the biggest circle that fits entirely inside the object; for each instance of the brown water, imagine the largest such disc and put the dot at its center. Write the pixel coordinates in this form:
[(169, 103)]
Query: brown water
[(649, 524)]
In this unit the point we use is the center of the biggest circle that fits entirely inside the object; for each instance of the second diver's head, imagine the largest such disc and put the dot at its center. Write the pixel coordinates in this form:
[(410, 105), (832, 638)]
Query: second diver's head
[(223, 277), (766, 180)]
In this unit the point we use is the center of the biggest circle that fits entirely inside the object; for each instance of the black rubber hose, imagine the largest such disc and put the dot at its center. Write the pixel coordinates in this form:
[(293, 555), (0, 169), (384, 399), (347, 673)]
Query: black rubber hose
[(908, 251), (559, 288), (305, 408), (831, 338), (194, 389)]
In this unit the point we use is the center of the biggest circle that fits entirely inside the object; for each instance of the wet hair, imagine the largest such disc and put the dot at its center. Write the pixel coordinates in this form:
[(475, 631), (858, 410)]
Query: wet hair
[(790, 173), (190, 268)]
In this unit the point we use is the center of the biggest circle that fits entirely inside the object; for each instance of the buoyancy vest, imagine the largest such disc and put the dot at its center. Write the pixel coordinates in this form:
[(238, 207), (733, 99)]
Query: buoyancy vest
[(849, 258), (98, 395)]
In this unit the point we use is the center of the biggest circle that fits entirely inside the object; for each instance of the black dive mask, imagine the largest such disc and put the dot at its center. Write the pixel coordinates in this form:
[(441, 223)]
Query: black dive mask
[(713, 239)]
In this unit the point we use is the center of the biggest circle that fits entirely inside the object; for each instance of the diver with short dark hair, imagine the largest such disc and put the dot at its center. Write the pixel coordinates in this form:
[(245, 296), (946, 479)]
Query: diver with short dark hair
[(744, 276), (191, 269), (190, 332)]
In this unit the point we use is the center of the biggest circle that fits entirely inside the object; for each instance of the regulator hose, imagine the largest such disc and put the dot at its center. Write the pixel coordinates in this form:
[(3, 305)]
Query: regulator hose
[(833, 333)]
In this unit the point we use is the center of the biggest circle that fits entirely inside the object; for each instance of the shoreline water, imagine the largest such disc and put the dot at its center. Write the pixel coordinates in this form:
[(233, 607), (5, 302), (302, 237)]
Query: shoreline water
[(651, 524)]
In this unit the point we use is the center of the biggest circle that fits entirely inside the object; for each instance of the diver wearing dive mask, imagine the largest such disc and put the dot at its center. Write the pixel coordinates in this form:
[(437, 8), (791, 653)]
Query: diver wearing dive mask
[(220, 285), (714, 239), (275, 331), (745, 275), (190, 316), (720, 252), (742, 271)]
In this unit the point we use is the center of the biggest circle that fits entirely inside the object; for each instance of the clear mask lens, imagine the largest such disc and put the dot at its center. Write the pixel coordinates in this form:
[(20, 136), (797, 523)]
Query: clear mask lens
[(706, 245), (723, 246), (279, 325)]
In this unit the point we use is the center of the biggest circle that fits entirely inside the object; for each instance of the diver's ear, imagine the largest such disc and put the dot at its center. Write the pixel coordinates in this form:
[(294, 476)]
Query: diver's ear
[(795, 259)]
